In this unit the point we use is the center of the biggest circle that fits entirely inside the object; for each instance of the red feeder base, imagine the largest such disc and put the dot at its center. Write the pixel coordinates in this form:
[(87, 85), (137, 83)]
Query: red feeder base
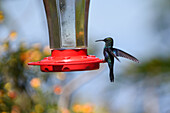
[(68, 60)]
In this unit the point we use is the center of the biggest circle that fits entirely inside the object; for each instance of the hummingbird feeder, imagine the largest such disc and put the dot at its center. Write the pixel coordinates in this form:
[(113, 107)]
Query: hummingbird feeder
[(68, 34)]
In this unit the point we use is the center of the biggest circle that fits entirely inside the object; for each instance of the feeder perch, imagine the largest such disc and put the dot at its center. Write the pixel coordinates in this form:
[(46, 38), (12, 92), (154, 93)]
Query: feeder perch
[(68, 34)]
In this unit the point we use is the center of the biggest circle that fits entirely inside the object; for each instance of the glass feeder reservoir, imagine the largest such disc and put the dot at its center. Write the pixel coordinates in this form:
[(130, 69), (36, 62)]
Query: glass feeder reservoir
[(68, 34)]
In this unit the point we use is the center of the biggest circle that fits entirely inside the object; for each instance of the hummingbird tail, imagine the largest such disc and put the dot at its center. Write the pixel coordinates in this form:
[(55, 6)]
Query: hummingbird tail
[(111, 75)]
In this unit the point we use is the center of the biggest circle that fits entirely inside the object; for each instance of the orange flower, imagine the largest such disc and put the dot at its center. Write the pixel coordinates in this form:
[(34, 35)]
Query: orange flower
[(1, 17), (65, 111), (12, 94), (13, 35), (35, 82), (87, 108), (77, 108), (23, 56), (15, 109), (57, 90), (30, 55)]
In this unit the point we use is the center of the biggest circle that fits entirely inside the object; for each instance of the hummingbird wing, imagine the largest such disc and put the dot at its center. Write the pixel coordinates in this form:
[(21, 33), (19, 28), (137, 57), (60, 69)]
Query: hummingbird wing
[(113, 54), (121, 53)]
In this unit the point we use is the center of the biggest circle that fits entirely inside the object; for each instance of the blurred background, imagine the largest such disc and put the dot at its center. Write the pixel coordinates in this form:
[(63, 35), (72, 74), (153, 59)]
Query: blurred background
[(141, 28)]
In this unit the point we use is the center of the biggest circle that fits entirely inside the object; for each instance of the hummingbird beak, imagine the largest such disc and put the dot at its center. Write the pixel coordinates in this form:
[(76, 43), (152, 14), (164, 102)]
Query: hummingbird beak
[(98, 40)]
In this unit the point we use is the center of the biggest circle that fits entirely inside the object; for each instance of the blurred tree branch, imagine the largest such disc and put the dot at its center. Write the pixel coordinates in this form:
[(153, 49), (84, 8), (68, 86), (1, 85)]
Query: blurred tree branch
[(75, 84)]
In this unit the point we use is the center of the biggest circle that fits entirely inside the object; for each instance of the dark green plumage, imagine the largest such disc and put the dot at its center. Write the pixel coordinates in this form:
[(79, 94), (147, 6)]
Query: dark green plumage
[(110, 53)]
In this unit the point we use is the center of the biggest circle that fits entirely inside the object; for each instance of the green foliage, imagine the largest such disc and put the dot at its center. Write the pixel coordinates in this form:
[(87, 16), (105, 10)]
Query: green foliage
[(16, 92), (155, 67)]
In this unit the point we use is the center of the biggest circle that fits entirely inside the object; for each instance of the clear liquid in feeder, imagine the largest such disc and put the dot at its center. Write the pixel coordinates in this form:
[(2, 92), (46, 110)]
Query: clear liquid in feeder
[(68, 23)]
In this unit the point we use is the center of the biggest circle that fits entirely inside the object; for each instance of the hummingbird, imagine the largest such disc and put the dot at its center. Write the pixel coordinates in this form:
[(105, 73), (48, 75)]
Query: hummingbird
[(110, 53)]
